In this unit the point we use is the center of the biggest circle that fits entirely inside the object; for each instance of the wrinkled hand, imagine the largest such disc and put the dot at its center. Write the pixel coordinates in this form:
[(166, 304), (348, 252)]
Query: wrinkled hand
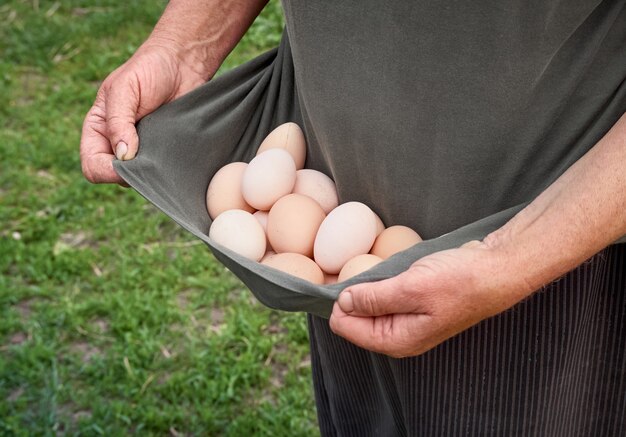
[(439, 296), (154, 75)]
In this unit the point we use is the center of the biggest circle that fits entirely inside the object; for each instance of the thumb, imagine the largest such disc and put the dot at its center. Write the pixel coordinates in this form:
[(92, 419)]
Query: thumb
[(390, 296), (122, 103)]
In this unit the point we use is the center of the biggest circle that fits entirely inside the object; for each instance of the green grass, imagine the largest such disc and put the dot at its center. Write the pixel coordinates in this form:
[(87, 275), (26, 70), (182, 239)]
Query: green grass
[(114, 321)]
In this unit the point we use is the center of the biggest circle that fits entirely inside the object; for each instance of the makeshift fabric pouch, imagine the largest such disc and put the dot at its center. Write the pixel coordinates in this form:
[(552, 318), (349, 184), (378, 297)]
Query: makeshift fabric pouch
[(184, 143)]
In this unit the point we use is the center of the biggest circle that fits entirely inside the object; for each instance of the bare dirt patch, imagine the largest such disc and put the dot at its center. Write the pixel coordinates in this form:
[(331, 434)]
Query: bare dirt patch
[(81, 415), (18, 338), (15, 394), (24, 308), (216, 321), (85, 350), (30, 83), (163, 378), (183, 299), (70, 414), (46, 175), (175, 433), (305, 363), (73, 241), (279, 369), (275, 327), (217, 317), (101, 326)]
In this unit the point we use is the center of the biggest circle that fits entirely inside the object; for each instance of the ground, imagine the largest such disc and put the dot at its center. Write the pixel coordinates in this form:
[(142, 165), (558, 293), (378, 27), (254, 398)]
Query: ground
[(113, 320)]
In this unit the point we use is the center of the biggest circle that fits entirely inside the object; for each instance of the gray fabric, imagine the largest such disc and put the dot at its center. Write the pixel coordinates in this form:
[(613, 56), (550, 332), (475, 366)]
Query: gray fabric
[(428, 113)]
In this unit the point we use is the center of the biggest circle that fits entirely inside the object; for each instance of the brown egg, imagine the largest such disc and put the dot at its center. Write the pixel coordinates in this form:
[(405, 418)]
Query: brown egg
[(287, 136), (224, 190), (292, 224), (261, 216), (330, 279), (297, 265), (394, 239), (357, 265), (268, 254)]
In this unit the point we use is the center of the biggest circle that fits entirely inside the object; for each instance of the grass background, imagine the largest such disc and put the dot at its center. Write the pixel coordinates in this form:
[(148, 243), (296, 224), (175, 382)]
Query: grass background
[(113, 321)]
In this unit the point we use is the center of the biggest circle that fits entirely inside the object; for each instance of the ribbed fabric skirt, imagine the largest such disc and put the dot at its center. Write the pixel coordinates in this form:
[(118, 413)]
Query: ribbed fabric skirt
[(553, 365)]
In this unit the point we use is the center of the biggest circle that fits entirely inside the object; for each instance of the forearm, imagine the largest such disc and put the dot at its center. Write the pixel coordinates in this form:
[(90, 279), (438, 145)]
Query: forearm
[(578, 215), (205, 31)]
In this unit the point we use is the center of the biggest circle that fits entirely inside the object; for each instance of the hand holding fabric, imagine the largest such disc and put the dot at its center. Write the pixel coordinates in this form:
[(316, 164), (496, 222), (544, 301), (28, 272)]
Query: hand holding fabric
[(446, 292), (155, 75), (186, 48), (439, 296)]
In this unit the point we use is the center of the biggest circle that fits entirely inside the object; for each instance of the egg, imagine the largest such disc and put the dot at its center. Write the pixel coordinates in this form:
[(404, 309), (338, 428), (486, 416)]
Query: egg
[(240, 232), (287, 136), (224, 190), (292, 224), (358, 264), (349, 230), (268, 177), (330, 279), (261, 216), (268, 254), (297, 265), (394, 239), (380, 226), (318, 187)]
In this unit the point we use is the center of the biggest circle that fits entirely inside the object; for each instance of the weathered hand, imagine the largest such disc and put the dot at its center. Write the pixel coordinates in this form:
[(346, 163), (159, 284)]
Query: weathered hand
[(156, 74), (184, 50), (439, 296)]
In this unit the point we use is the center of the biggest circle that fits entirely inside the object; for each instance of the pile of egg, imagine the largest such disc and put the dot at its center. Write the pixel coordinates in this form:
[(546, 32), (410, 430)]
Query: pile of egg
[(274, 211)]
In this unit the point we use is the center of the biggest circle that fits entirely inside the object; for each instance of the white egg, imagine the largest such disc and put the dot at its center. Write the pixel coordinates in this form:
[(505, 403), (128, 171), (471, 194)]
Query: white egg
[(318, 187), (349, 230), (380, 226), (269, 176), (240, 232)]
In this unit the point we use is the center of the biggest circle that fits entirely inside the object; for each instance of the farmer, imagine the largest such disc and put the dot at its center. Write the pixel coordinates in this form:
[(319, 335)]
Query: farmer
[(459, 110)]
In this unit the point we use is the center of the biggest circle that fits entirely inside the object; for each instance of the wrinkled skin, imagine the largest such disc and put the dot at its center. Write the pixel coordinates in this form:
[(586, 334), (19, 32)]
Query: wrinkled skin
[(154, 75), (439, 296)]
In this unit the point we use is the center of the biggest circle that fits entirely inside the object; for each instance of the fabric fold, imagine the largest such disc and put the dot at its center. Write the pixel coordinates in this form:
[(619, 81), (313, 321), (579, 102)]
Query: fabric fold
[(185, 142)]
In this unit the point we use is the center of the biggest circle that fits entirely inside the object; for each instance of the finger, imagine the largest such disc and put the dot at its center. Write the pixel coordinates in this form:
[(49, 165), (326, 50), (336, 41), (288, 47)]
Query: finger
[(389, 296), (472, 243), (397, 335), (358, 330), (103, 171), (95, 150), (122, 101)]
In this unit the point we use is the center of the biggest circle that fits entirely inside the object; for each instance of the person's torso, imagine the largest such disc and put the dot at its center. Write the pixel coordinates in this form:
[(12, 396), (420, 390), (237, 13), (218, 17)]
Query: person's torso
[(437, 114)]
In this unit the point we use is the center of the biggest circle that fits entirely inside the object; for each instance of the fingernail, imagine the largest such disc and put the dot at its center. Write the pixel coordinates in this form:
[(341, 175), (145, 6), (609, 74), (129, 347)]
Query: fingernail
[(345, 302), (120, 150)]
